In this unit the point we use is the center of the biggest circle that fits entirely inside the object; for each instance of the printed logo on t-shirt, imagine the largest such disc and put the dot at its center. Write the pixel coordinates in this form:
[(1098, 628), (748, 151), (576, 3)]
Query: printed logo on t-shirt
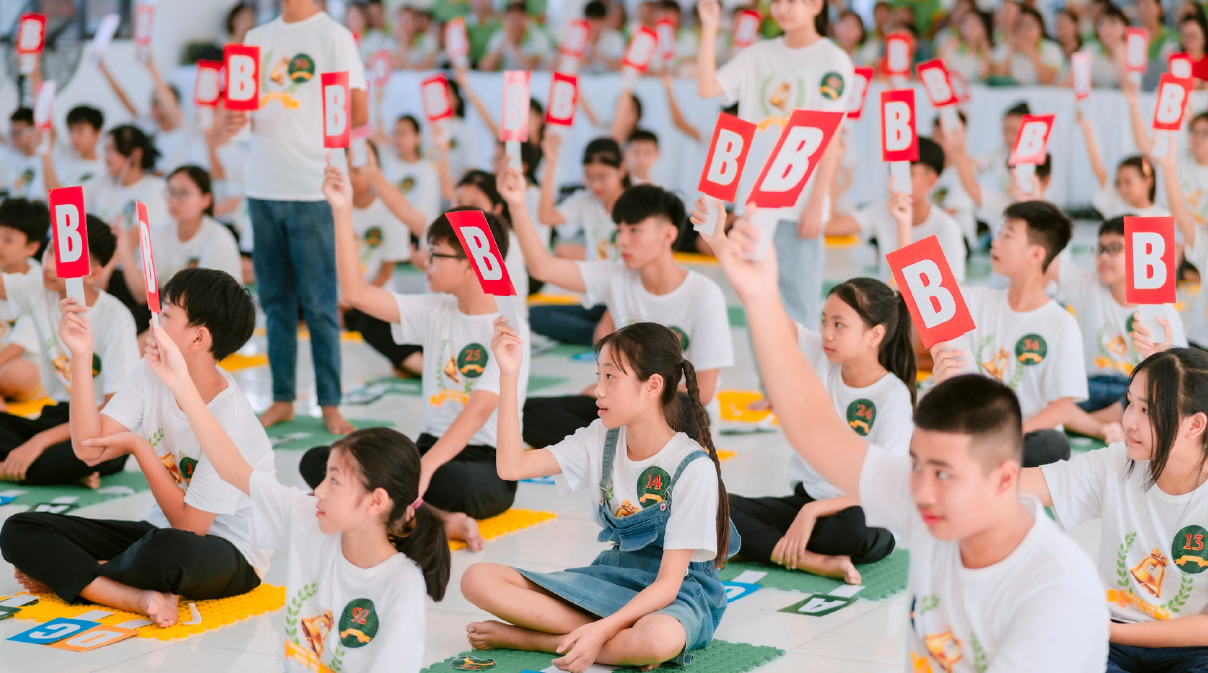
[(683, 337), (193, 263), (778, 98), (1150, 575), (861, 414), (358, 623), (832, 86), (62, 365), (1187, 550), (406, 184), (456, 377), (1115, 350), (373, 237), (652, 486), (24, 180), (943, 648), (85, 177), (1031, 349), (472, 360), (297, 70)]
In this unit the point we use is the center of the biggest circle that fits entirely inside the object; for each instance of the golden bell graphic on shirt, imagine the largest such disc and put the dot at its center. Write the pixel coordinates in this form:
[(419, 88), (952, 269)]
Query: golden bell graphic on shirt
[(1151, 572)]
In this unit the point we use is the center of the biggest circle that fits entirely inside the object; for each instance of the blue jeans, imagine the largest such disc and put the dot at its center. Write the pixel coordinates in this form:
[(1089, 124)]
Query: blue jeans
[(1104, 391), (800, 261), (1129, 659), (568, 324), (294, 257)]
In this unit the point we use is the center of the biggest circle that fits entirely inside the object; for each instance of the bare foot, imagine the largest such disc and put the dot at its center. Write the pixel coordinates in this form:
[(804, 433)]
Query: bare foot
[(30, 584), (279, 412), (335, 422), (761, 404), (92, 481), (159, 607), (493, 635), (839, 567), (459, 526)]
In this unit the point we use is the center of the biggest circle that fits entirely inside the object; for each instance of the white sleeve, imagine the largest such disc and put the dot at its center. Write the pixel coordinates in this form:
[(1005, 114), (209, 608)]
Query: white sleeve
[(693, 521), (127, 405), (345, 56), (1106, 201), (885, 491), (711, 346), (223, 254), (597, 281), (396, 240), (1057, 629), (208, 492), (1076, 485), (1077, 284), (734, 73), (810, 344), (117, 349), (273, 507), (571, 210), (1068, 377), (414, 315), (403, 618), (894, 427), (576, 456), (25, 334), (952, 242), (22, 291)]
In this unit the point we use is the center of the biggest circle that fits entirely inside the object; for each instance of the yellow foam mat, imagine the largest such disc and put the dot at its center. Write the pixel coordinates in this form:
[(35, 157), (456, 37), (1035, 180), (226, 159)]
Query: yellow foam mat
[(29, 408), (695, 258), (734, 406), (235, 362), (508, 522), (725, 455), (214, 614), (841, 241), (554, 299)]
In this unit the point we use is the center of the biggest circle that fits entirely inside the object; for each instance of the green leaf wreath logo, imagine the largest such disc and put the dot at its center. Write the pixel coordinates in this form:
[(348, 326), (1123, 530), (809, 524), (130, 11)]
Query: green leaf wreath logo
[(980, 662), (1122, 561), (295, 606), (1181, 596)]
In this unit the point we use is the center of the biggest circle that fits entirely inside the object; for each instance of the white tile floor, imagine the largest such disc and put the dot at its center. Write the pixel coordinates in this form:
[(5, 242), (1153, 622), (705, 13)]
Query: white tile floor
[(866, 637)]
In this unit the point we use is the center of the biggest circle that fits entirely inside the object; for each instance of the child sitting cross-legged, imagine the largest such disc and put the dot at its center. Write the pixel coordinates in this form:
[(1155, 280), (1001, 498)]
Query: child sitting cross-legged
[(23, 226)]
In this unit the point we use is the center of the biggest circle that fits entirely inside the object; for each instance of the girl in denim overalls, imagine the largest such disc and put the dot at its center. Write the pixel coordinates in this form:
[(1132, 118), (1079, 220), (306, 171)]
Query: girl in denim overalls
[(655, 595)]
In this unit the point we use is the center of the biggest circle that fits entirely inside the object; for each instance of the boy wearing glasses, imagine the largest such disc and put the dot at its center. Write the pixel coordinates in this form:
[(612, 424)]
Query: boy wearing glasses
[(1106, 320), (454, 324)]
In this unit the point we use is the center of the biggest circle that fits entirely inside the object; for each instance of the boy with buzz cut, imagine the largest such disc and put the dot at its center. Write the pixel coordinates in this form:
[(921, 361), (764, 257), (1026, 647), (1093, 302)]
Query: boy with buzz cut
[(23, 227), (978, 602), (197, 539), (641, 154), (38, 451), (1023, 337), (878, 220), (78, 161), (454, 324), (645, 284), (21, 158)]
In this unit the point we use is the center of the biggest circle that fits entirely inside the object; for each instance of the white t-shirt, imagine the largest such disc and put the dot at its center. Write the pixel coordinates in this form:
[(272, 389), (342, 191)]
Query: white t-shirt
[(1105, 324), (463, 146), (876, 221), (695, 311), (640, 484), (114, 347), (1039, 609), (611, 45), (212, 247), (1193, 178), (419, 181), (17, 327), (1151, 548), (1109, 204), (71, 169), (880, 413), (585, 213), (1038, 353), (24, 176), (1021, 69), (1197, 317), (533, 44), (381, 238), (181, 146), (369, 619), (146, 407), (288, 158), (1103, 68), (768, 81), (107, 199), (457, 359)]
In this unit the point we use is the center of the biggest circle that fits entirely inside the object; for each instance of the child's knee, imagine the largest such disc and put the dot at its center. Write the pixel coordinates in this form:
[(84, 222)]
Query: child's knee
[(479, 581), (163, 547), (658, 638)]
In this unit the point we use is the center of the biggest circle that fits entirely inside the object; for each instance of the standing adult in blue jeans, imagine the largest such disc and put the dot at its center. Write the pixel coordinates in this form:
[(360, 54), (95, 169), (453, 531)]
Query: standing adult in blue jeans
[(292, 226)]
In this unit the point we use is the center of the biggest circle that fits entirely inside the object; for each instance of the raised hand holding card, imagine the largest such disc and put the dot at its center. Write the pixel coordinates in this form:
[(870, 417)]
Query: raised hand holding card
[(70, 233), (931, 292), (1149, 261)]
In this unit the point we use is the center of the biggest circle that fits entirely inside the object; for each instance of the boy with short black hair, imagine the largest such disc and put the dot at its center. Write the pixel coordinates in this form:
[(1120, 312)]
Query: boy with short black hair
[(1024, 338), (880, 220), (38, 451), (21, 158), (197, 539), (23, 227), (641, 154), (78, 161)]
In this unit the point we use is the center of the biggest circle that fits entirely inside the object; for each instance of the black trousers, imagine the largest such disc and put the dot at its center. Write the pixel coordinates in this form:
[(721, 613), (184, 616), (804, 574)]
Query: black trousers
[(58, 464), (62, 551), (549, 420), (469, 483), (377, 334), (1042, 447), (763, 521), (121, 291)]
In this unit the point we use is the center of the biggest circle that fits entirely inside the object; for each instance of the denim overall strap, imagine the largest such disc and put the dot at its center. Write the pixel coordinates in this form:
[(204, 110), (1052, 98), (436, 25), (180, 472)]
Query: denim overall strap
[(610, 451), (680, 470)]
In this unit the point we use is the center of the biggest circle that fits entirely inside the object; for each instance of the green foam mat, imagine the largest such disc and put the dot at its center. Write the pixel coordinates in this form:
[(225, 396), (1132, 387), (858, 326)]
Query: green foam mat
[(719, 657), (881, 580), (737, 315), (112, 487), (1081, 444), (306, 431)]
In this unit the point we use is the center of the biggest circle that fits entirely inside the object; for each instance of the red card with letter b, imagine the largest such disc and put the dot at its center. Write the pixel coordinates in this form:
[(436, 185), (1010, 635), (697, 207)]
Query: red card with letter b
[(144, 24), (932, 295), (479, 244), (434, 92), (563, 99), (337, 110), (457, 41), (1136, 49), (727, 155), (242, 64), (860, 84), (746, 28), (641, 50), (70, 232), (1173, 94), (379, 67), (934, 77), (899, 52), (1032, 140), (794, 158), (1179, 65), (899, 138), (515, 106), (574, 38), (1149, 260), (31, 34), (208, 87), (144, 243)]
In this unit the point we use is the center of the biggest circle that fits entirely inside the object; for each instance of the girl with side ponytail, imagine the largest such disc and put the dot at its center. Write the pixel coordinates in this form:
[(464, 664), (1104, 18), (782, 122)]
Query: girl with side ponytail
[(864, 357), (656, 595)]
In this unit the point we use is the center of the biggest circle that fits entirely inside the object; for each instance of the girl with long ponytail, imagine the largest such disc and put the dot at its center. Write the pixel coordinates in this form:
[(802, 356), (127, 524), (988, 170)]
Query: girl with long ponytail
[(655, 596), (864, 357)]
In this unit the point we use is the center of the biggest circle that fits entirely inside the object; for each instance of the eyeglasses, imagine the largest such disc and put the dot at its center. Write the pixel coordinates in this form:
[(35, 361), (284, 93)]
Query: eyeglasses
[(1200, 135), (178, 193), (432, 254), (1113, 249)]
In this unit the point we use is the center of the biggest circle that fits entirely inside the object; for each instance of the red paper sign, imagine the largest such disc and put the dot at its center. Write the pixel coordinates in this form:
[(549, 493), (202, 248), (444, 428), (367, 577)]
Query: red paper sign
[(665, 28), (31, 34), (794, 158), (727, 156), (457, 43), (515, 106), (934, 77), (1080, 64), (1179, 65), (899, 52), (1032, 140), (144, 241), (932, 294), (70, 232), (337, 110), (207, 88), (1149, 260), (563, 99), (574, 39), (144, 24), (434, 92), (380, 65), (899, 137), (641, 50), (242, 65), (1136, 49), (959, 86), (746, 28), (1173, 94), (859, 92), (478, 242)]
